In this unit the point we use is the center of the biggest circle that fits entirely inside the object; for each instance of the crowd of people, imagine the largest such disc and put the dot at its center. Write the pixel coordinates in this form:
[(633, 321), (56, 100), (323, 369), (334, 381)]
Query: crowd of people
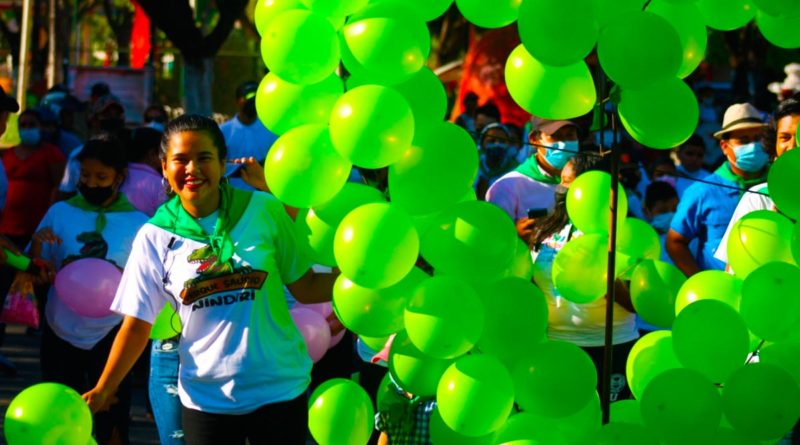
[(179, 205)]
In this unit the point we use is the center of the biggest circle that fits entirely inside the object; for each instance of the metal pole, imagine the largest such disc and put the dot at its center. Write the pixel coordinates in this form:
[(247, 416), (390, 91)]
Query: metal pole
[(51, 44), (22, 72), (611, 280)]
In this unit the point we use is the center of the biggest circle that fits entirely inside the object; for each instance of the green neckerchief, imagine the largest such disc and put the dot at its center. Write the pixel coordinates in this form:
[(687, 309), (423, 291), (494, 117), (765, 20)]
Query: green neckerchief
[(121, 204), (530, 168), (174, 218), (725, 172)]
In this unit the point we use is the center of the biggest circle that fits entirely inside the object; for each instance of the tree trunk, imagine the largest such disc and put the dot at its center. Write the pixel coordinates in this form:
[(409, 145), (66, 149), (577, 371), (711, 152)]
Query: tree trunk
[(198, 81), (120, 19)]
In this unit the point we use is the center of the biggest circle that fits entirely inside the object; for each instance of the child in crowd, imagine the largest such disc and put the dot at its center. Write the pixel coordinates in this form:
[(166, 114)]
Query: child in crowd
[(690, 156)]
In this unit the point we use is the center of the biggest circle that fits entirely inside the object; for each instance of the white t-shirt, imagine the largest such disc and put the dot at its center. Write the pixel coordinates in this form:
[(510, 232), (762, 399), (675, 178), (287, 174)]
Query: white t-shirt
[(246, 140), (750, 202), (239, 348), (516, 194), (580, 324), (76, 228)]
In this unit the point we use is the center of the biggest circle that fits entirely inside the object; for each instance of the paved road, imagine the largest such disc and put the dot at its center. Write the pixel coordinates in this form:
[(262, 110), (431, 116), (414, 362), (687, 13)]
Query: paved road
[(23, 350)]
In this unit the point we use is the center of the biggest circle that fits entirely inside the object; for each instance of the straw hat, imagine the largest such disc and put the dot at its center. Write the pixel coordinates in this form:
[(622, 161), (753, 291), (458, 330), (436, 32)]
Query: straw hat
[(740, 117)]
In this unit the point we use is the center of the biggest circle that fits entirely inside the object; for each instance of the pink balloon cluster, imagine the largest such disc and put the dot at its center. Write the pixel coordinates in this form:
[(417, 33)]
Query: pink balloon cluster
[(312, 322)]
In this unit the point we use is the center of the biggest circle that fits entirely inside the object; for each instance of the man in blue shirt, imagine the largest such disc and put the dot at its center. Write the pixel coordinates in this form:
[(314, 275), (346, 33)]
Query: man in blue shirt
[(706, 208)]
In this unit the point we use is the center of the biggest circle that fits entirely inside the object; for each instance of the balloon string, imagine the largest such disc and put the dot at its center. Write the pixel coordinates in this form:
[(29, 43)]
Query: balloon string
[(754, 354)]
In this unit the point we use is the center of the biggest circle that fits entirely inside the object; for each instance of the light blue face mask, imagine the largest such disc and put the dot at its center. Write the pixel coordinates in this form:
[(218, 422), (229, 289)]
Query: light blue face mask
[(30, 137), (662, 221), (751, 157), (561, 153)]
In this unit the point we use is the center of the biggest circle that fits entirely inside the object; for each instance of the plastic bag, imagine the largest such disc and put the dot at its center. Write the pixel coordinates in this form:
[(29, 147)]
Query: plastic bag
[(21, 306)]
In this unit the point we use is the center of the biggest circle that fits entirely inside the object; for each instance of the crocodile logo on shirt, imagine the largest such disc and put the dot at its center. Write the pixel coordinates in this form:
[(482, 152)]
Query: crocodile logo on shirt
[(214, 277), (94, 246)]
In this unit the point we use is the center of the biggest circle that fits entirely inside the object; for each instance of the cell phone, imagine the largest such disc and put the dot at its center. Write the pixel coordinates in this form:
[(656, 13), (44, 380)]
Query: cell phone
[(537, 213)]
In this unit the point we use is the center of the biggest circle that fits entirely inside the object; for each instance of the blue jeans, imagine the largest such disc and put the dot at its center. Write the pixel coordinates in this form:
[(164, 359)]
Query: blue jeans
[(163, 389)]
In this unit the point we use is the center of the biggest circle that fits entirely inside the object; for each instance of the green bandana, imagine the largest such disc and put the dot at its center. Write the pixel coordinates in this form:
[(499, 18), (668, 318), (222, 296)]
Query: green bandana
[(121, 204), (232, 203), (725, 172), (530, 168)]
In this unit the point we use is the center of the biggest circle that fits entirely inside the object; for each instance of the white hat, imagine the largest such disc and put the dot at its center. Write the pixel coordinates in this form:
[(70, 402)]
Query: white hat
[(740, 117)]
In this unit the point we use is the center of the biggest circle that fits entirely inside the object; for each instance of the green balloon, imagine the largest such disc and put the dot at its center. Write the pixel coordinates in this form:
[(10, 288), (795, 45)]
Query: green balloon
[(374, 343), (638, 239), (302, 168), (726, 15), (436, 171), (608, 11), (441, 434), (315, 228), (374, 312), (642, 112), (516, 318), (300, 47), (167, 324), (727, 436), (376, 245), (522, 264), (335, 8), (430, 9), (445, 317), (685, 17), (615, 433), (761, 401), (796, 243), (385, 43), (627, 411), (649, 357), (266, 10), (580, 268), (539, 380), (654, 42), (372, 126), (489, 13), (282, 105), (775, 8), (771, 301), (553, 92), (565, 38), (785, 355), (48, 414), (780, 182), (414, 371), (682, 406), (710, 285), (710, 337), (778, 29), (578, 428), (475, 395), (340, 413), (472, 240), (589, 201), (654, 288), (758, 238)]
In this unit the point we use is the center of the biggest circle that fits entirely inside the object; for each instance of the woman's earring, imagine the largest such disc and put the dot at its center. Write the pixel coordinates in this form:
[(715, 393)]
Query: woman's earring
[(167, 188)]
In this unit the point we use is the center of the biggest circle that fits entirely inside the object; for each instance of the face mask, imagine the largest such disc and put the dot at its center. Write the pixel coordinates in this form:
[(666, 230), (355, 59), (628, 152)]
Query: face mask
[(661, 222), (751, 157), (249, 108), (156, 126), (561, 153), (30, 136), (95, 195)]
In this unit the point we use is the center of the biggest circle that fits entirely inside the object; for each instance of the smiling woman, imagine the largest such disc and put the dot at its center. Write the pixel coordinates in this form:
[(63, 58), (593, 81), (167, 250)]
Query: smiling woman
[(220, 257)]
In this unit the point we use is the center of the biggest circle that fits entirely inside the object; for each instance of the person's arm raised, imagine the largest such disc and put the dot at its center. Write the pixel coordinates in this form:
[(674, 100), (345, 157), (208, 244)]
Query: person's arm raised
[(129, 344)]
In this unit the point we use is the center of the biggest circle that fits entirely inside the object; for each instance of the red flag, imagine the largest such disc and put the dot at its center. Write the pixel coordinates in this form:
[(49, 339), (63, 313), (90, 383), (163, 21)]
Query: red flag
[(140, 37)]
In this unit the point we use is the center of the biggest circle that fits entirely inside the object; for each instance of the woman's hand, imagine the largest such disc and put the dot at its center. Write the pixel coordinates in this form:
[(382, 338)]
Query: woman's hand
[(252, 173), (47, 236), (99, 399)]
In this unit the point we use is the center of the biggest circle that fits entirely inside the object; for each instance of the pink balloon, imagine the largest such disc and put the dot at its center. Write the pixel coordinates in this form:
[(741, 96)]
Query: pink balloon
[(315, 331), (324, 309), (87, 286)]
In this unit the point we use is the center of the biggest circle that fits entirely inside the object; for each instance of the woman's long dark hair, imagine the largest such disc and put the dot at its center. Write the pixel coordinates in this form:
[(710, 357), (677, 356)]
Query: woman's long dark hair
[(552, 223)]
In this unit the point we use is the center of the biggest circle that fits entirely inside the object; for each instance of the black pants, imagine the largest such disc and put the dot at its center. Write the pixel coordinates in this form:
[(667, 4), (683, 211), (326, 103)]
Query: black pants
[(284, 423), (80, 370), (620, 390)]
